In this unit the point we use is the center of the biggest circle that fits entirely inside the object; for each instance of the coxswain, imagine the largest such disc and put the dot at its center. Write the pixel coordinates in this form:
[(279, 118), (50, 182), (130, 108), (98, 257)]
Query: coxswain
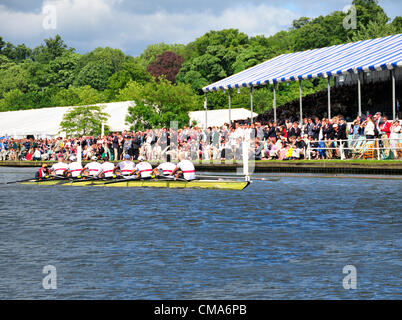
[(74, 168), (92, 169), (108, 169), (165, 169), (184, 169), (60, 168), (43, 172), (126, 167), (143, 169)]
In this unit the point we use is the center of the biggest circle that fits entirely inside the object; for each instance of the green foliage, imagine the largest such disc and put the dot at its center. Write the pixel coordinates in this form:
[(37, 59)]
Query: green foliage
[(397, 23), (16, 76), (84, 95), (52, 49), (14, 99), (81, 121), (94, 74), (375, 29), (159, 103), (110, 58), (52, 74), (152, 51)]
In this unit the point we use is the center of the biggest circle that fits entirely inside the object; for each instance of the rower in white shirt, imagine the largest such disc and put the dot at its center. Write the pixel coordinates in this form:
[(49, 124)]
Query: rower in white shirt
[(93, 168), (59, 168), (74, 168), (184, 169), (107, 169), (165, 168), (143, 169), (126, 167)]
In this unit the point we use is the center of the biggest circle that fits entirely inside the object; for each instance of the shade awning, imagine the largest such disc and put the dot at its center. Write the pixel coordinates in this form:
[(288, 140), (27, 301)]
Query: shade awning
[(362, 56)]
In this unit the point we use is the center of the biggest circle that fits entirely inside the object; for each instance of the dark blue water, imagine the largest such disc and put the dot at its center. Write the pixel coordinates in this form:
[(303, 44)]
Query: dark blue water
[(288, 239)]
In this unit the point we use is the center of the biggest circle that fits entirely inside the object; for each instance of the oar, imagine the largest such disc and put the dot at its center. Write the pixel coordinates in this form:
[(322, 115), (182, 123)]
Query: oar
[(231, 177), (25, 180), (122, 180), (36, 180), (87, 179), (170, 178)]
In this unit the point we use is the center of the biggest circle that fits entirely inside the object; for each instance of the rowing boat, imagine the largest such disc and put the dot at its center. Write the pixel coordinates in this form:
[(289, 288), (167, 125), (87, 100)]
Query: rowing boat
[(153, 183)]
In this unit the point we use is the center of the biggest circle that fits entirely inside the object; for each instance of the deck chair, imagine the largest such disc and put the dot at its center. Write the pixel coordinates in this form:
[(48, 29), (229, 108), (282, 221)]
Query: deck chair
[(370, 150)]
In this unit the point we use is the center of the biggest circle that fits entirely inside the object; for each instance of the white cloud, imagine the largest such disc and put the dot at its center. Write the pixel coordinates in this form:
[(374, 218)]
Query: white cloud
[(92, 23)]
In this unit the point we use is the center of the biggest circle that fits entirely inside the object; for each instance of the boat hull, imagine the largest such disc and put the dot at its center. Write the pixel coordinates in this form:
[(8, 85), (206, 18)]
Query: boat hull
[(195, 184)]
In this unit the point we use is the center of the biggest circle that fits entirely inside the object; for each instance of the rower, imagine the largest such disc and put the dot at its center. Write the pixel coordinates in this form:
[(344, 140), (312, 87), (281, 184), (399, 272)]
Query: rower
[(108, 169), (93, 168), (184, 169), (143, 169), (165, 168), (60, 168), (126, 167), (74, 168), (43, 172)]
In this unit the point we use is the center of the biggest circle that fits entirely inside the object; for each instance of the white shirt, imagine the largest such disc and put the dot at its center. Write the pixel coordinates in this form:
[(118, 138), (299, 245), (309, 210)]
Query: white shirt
[(94, 168), (126, 167), (144, 168), (188, 169), (75, 169), (107, 169), (59, 168), (167, 168)]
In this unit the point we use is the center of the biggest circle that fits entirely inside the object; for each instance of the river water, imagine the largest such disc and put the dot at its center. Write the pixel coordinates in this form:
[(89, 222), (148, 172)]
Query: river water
[(287, 239)]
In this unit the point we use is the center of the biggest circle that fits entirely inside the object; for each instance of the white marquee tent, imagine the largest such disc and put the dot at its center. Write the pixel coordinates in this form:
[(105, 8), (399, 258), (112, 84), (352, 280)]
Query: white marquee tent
[(45, 122), (219, 117)]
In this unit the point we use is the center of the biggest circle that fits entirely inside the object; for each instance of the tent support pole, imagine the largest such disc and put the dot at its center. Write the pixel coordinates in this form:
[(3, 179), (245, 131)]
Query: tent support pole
[(230, 107), (393, 95), (206, 110), (274, 102), (329, 97), (359, 94), (301, 102), (251, 104)]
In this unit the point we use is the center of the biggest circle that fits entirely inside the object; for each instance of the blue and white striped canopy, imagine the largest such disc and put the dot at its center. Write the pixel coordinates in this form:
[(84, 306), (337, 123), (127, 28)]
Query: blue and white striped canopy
[(362, 56)]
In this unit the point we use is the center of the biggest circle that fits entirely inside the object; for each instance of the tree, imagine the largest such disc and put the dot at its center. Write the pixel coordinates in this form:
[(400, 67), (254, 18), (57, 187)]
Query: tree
[(73, 96), (397, 23), (250, 57), (14, 99), (111, 59), (130, 70), (374, 29), (166, 64), (85, 120), (152, 51), (94, 74), (297, 24), (159, 103), (14, 77), (53, 48)]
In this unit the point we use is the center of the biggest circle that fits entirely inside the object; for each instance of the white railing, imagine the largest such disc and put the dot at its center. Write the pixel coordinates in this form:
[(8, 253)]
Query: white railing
[(361, 148)]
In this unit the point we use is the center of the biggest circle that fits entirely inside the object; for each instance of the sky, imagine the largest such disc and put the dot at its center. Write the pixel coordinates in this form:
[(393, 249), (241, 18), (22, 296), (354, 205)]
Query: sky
[(132, 25)]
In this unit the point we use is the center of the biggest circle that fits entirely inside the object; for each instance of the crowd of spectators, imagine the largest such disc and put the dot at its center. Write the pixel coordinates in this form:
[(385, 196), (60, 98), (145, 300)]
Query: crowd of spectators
[(344, 101), (315, 138)]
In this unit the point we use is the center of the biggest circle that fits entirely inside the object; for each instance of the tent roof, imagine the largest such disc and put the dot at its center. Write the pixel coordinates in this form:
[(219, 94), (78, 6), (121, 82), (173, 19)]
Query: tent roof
[(46, 121), (368, 55), (220, 116)]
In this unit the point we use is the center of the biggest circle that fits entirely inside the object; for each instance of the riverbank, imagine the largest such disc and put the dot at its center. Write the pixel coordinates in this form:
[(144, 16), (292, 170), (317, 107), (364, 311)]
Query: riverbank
[(390, 167)]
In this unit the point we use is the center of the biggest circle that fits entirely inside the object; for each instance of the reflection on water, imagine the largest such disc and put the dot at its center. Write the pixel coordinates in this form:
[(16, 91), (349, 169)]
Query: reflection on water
[(274, 240)]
